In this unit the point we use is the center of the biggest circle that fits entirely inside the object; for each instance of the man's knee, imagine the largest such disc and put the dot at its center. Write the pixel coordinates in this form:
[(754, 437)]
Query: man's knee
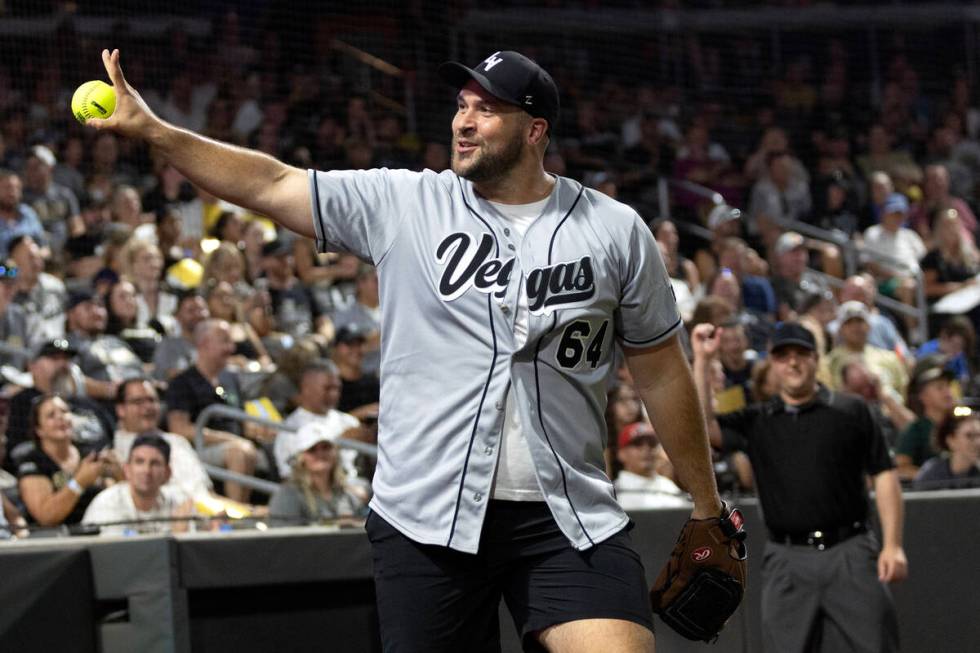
[(582, 635), (241, 454)]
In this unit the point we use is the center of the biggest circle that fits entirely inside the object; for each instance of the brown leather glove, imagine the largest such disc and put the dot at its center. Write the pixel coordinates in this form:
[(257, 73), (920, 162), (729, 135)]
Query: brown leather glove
[(702, 584)]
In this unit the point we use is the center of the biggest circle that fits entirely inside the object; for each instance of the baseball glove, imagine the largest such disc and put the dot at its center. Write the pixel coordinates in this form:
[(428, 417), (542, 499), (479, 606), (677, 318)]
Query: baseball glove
[(702, 584)]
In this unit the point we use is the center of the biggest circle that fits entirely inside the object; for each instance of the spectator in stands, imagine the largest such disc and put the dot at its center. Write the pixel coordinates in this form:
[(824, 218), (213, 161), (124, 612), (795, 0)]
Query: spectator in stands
[(958, 466), (122, 311), (56, 482), (364, 314), (712, 310), (881, 156), (54, 204), (295, 309), (931, 398), (67, 172), (757, 328), (16, 218), (317, 490), (899, 249), (777, 197), (138, 412), (737, 359), (793, 281), (226, 263), (641, 484), (724, 221), (953, 263), (106, 164), (887, 406), (817, 310), (757, 292), (144, 500), (883, 334), (678, 265), (154, 306), (104, 359), (360, 390), (956, 341), (880, 187), (936, 196), (87, 233), (852, 343), (319, 392), (224, 304), (765, 385), (14, 328), (207, 382), (176, 353), (833, 207), (127, 208)]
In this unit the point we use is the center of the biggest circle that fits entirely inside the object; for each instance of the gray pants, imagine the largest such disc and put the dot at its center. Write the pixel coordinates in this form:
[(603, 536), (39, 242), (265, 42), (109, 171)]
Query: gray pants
[(815, 601)]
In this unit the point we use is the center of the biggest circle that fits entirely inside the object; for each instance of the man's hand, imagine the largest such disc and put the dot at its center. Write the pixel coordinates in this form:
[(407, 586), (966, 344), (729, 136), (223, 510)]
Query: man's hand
[(132, 116), (705, 341), (893, 566)]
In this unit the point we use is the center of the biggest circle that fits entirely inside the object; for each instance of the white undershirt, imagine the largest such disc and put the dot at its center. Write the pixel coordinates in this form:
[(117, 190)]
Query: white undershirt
[(515, 479)]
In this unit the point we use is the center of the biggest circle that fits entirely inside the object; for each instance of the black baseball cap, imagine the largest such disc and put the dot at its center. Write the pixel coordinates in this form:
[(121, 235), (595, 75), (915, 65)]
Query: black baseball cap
[(79, 296), (277, 247), (792, 333), (350, 333), (56, 347), (513, 78)]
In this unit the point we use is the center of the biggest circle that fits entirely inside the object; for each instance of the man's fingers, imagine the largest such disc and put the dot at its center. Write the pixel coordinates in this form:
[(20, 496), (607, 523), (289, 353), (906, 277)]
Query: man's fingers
[(114, 70)]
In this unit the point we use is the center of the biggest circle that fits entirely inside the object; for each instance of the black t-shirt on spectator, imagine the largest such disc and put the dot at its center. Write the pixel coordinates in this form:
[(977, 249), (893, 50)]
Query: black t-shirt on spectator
[(810, 461), (295, 309), (946, 271), (190, 392), (363, 391), (38, 463)]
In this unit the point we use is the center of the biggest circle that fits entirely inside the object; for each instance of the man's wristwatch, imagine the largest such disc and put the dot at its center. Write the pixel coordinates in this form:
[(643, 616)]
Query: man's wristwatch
[(75, 486)]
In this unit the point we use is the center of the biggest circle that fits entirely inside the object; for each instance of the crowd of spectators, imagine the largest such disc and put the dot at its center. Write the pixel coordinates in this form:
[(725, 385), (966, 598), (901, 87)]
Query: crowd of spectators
[(131, 300)]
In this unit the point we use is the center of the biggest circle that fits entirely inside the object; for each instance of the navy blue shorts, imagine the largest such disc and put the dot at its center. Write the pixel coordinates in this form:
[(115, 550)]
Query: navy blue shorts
[(432, 598)]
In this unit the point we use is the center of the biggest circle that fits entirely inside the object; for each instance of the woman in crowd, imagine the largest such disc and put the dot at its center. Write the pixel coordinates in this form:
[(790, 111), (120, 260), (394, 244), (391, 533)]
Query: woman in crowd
[(317, 490), (224, 305), (155, 306), (56, 483), (678, 265), (122, 306), (958, 464), (953, 263)]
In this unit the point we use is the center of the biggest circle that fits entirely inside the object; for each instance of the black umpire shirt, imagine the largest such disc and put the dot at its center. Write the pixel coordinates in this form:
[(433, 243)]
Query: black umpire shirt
[(810, 460)]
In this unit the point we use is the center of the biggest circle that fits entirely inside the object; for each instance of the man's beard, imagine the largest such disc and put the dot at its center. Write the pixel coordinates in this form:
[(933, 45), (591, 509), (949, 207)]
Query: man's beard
[(489, 166)]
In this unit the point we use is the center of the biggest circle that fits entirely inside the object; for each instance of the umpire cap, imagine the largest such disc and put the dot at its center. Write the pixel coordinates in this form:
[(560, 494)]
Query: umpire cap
[(792, 333), (513, 78)]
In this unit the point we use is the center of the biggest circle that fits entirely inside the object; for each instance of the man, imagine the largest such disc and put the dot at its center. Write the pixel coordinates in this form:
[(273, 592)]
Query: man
[(936, 195), (144, 499), (319, 392), (16, 218), (811, 450), (852, 343), (209, 381), (888, 408), (360, 390), (640, 485), (792, 281), (176, 353), (931, 399), (13, 321), (884, 334), (779, 196), (491, 392), (41, 295), (105, 360), (138, 412), (365, 315), (51, 370), (295, 309), (895, 251), (54, 204)]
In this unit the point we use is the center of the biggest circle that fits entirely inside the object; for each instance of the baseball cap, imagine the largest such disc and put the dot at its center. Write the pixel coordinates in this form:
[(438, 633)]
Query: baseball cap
[(513, 78), (788, 241), (79, 296), (930, 368), (56, 347), (722, 214), (152, 439), (350, 333), (895, 203), (852, 310), (792, 333), (633, 431), (313, 433), (277, 247)]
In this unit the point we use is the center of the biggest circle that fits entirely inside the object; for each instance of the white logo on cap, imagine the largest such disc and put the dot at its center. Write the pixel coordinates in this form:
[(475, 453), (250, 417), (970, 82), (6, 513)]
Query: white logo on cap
[(528, 99), (491, 61)]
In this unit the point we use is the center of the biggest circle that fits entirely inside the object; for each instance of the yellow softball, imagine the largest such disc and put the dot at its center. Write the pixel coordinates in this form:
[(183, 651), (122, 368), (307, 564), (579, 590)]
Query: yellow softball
[(94, 99)]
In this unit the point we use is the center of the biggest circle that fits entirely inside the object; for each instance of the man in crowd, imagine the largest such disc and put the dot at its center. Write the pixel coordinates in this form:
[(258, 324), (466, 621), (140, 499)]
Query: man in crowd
[(54, 204), (364, 314), (792, 281), (641, 484), (144, 501), (930, 398), (852, 343), (360, 391), (210, 381), (883, 334), (16, 218), (14, 330), (41, 295), (292, 302), (105, 360), (176, 353), (896, 251)]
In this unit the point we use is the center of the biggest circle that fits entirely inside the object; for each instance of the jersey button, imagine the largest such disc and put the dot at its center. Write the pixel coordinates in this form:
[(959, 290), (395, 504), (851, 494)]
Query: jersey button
[(500, 405), (488, 450), (506, 232), (511, 247), (505, 309), (478, 497)]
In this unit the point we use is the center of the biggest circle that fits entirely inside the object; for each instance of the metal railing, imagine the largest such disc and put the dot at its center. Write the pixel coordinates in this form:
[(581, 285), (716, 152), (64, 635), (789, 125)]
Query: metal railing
[(268, 487)]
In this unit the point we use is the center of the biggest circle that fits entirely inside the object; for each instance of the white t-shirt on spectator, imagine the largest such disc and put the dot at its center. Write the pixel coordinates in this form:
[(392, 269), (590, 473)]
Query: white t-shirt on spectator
[(284, 448), (636, 492), (116, 504), (187, 473), (904, 245)]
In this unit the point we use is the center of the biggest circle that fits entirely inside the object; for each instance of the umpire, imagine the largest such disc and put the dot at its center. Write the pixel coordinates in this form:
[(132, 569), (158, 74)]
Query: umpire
[(810, 450)]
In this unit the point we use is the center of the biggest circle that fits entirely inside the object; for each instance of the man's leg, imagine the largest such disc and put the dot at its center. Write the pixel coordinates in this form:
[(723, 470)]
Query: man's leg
[(431, 599), (860, 615), (589, 635), (790, 598)]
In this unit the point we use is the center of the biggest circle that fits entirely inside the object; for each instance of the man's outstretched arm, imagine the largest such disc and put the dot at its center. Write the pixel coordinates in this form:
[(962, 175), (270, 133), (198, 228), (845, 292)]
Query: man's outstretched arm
[(241, 176), (663, 380)]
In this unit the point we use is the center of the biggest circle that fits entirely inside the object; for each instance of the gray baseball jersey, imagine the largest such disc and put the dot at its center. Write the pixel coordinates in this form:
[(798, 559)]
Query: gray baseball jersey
[(450, 269)]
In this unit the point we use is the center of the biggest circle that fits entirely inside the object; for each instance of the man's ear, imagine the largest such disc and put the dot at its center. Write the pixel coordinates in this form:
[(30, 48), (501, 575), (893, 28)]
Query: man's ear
[(537, 131)]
